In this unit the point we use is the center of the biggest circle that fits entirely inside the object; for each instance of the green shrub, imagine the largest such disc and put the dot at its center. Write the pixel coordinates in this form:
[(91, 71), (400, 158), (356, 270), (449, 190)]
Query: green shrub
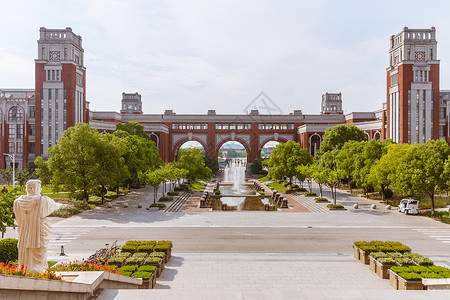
[(386, 261), (145, 248), (395, 255), (65, 212), (174, 193), (152, 260), (147, 269), (430, 275), (444, 274), (136, 258), (310, 194), (379, 254), (166, 198), (321, 199), (438, 269), (410, 276), (157, 254), (161, 248), (419, 269), (129, 268), (148, 243), (302, 189), (8, 250), (423, 261), (404, 261), (159, 205), (51, 263), (335, 206), (119, 258), (129, 247), (217, 192), (163, 242), (388, 193), (137, 243), (361, 243), (397, 269), (401, 249), (126, 273), (143, 275), (261, 192)]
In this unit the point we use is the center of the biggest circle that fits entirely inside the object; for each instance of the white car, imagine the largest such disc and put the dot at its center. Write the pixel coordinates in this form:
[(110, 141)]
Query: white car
[(409, 206)]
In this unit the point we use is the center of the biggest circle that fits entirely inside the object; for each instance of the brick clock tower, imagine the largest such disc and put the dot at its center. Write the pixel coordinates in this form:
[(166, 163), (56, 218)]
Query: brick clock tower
[(413, 86), (60, 86)]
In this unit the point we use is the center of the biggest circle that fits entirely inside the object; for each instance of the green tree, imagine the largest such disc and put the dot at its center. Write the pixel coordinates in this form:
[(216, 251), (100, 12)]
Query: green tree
[(211, 163), (326, 163), (153, 178), (133, 128), (6, 210), (42, 170), (113, 170), (7, 174), (384, 171), (335, 137), (257, 167), (422, 169), (75, 161), (140, 155), (285, 158), (305, 172), (320, 175), (192, 161), (22, 176), (346, 160)]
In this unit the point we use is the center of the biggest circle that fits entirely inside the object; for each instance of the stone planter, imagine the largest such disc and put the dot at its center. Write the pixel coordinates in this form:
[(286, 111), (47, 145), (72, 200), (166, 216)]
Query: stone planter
[(382, 270), (355, 252), (149, 284), (364, 257), (401, 284), (373, 264), (159, 267)]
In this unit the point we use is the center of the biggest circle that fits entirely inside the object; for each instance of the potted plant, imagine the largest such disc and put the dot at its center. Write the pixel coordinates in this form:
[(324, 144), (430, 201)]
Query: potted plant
[(383, 264), (403, 278)]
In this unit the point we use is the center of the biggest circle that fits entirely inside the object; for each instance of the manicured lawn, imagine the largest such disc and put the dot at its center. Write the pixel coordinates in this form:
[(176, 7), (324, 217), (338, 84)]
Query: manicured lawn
[(264, 179), (277, 186), (197, 186)]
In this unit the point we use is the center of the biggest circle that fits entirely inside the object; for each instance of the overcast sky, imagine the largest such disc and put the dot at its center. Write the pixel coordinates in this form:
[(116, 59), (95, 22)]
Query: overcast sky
[(191, 56)]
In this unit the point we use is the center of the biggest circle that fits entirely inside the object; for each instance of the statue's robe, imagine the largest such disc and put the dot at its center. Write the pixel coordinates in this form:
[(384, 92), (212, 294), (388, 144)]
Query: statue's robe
[(34, 229)]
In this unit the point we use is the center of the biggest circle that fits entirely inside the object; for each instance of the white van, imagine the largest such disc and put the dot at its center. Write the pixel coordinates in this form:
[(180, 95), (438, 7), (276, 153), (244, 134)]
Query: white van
[(409, 206)]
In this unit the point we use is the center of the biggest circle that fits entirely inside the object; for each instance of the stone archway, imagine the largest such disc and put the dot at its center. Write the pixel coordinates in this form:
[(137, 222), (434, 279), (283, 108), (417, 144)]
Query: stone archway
[(236, 139), (280, 140), (180, 142)]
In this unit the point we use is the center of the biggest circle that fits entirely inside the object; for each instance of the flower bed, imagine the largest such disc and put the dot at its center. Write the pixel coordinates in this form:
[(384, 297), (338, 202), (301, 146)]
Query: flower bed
[(83, 266), (21, 270)]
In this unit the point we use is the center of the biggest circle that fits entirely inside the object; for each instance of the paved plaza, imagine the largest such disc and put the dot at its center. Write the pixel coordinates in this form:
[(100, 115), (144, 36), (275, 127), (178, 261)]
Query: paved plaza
[(257, 254)]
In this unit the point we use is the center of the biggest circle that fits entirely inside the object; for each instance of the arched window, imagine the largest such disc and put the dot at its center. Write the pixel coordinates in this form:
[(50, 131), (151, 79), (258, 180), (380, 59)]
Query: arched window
[(367, 136), (314, 142), (377, 136), (15, 114)]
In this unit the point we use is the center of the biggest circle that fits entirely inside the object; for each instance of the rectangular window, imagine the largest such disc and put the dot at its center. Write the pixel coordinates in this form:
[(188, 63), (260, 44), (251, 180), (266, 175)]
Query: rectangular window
[(291, 126), (276, 126), (53, 75), (57, 75), (240, 126), (218, 126), (232, 126), (205, 126), (174, 126), (32, 129), (19, 147), (248, 126), (268, 126), (11, 148), (11, 131), (224, 126), (32, 147), (197, 126), (56, 94), (441, 112), (19, 131), (182, 126), (260, 126), (49, 93), (190, 126), (32, 112), (65, 94), (283, 126)]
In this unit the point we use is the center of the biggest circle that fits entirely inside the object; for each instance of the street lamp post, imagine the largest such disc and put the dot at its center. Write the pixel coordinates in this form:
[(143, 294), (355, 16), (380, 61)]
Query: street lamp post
[(12, 157)]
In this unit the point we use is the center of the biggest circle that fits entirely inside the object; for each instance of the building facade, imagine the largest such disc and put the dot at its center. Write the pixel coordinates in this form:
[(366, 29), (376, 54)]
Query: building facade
[(32, 120), (413, 87), (60, 86)]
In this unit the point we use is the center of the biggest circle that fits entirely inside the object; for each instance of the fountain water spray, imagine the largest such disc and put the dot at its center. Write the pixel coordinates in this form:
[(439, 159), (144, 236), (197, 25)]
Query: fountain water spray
[(235, 172)]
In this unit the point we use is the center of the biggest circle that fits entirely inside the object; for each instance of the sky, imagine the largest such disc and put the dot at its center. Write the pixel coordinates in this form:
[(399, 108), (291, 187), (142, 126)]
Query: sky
[(192, 56)]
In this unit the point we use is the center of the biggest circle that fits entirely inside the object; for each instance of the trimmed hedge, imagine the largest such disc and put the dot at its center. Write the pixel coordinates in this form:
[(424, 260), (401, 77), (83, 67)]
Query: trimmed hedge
[(8, 250), (119, 258), (129, 247), (309, 194), (136, 258), (147, 269), (157, 254), (166, 198), (143, 275), (335, 206), (152, 260), (172, 193), (398, 269), (159, 205), (410, 276), (386, 261), (129, 268), (145, 248), (148, 243)]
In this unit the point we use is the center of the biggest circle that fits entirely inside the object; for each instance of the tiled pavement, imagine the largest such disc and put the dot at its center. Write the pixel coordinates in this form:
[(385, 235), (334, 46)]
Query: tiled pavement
[(269, 276)]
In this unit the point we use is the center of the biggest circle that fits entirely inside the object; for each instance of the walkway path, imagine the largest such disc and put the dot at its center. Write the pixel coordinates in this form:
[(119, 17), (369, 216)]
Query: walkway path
[(269, 276)]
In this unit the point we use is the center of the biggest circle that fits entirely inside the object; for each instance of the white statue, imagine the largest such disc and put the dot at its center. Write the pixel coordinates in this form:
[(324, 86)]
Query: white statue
[(33, 227)]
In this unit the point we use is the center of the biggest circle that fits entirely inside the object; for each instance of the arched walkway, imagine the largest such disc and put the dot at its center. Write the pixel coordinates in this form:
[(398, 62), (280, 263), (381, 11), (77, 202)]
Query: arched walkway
[(177, 146)]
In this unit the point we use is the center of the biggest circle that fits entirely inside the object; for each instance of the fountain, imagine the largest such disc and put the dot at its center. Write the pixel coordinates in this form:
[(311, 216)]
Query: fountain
[(235, 173)]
